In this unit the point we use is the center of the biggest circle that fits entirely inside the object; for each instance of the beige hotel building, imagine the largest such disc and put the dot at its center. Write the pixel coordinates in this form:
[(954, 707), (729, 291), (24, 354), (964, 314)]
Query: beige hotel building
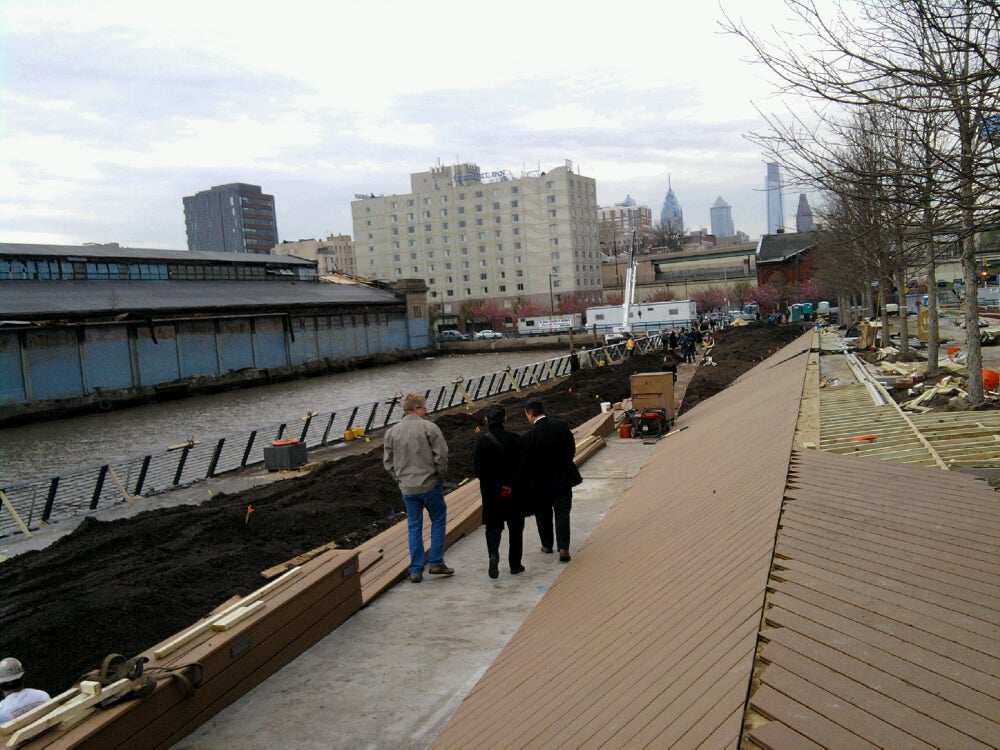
[(475, 236)]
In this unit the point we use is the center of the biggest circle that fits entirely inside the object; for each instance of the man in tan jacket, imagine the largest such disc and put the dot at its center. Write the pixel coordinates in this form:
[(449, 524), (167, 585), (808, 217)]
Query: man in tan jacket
[(416, 454)]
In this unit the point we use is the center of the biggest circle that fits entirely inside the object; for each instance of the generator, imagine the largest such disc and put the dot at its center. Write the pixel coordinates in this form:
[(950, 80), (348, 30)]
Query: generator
[(649, 422)]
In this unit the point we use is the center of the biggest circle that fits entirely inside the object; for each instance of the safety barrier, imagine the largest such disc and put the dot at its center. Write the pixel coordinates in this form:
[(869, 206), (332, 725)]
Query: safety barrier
[(25, 505)]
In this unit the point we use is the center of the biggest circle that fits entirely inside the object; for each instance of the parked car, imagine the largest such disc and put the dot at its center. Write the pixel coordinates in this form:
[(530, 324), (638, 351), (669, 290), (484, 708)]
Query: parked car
[(451, 334), (487, 334)]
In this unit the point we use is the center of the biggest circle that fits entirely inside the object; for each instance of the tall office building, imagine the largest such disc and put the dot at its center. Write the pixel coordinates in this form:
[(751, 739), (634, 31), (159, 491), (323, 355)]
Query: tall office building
[(615, 224), (775, 204), (671, 214), (234, 218), (721, 214), (804, 215), (475, 236)]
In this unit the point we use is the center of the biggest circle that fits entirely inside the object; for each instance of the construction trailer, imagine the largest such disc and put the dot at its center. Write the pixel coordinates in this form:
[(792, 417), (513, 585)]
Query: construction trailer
[(644, 317), (545, 325)]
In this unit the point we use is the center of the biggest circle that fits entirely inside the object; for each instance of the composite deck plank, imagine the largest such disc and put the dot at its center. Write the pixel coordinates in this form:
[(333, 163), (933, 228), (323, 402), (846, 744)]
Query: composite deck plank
[(951, 686), (898, 723), (864, 722), (974, 573), (774, 735), (923, 700), (925, 615), (802, 719), (915, 582), (802, 609)]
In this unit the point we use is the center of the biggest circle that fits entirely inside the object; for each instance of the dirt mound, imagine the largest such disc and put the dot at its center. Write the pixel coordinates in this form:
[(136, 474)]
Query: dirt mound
[(123, 586), (737, 350)]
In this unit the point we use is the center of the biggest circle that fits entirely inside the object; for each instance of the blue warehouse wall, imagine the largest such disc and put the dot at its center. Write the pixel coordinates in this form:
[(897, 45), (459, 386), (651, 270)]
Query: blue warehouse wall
[(196, 348), (418, 333), (269, 339), (107, 362), (12, 390), (157, 356), (58, 363), (53, 363), (235, 345)]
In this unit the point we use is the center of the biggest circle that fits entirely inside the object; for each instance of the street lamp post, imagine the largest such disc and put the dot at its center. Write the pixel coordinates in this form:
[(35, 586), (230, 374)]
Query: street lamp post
[(552, 299)]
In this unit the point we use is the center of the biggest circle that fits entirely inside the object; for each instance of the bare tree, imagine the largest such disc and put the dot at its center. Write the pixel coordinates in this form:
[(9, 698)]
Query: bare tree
[(918, 58), (666, 235)]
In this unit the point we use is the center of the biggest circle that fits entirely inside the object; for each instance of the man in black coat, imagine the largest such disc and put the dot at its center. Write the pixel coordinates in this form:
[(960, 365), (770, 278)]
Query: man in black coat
[(496, 462), (549, 474)]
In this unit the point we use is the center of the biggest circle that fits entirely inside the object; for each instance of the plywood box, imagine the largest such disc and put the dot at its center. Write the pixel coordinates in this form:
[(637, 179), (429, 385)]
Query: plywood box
[(654, 390), (651, 382)]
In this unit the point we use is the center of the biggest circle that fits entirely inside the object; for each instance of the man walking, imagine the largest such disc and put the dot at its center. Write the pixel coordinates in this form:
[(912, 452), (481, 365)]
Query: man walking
[(416, 454), (549, 473)]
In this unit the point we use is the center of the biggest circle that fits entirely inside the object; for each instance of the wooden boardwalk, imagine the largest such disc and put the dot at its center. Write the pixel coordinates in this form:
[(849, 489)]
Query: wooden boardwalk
[(883, 612), (648, 638), (745, 594)]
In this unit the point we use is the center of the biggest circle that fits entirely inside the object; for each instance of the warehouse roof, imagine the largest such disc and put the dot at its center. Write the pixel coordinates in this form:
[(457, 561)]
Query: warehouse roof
[(113, 251), (38, 299)]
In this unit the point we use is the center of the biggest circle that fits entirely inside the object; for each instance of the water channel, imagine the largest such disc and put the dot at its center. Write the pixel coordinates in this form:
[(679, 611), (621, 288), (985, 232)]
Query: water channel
[(49, 448)]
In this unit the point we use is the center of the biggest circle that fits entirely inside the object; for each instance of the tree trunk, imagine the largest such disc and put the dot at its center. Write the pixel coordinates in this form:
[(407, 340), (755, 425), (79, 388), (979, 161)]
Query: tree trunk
[(904, 314), (973, 350), (884, 285), (933, 344)]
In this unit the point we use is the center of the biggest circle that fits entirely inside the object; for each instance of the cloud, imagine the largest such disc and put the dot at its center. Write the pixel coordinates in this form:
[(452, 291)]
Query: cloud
[(115, 110)]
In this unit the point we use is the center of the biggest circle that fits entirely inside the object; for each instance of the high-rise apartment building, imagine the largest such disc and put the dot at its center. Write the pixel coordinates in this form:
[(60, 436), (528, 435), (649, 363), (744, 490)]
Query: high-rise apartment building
[(804, 215), (234, 218), (615, 224), (671, 214), (721, 215), (476, 236), (775, 204)]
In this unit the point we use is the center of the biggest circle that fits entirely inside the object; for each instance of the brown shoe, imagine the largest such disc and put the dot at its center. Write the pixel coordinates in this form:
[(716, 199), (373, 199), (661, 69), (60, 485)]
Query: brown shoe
[(547, 550), (441, 570), (564, 555), (416, 577)]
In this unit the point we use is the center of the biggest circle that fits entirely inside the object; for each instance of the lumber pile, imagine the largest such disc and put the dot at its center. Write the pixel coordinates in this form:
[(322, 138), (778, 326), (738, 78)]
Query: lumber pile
[(946, 388), (221, 657)]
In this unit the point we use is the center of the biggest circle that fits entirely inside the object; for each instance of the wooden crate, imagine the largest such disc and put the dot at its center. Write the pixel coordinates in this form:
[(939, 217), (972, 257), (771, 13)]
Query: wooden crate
[(654, 390)]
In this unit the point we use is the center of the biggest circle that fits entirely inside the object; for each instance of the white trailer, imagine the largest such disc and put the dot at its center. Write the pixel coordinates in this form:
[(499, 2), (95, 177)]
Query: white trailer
[(643, 316), (545, 325)]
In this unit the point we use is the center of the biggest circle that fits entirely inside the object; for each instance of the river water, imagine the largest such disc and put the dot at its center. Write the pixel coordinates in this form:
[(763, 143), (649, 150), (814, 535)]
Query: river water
[(51, 448)]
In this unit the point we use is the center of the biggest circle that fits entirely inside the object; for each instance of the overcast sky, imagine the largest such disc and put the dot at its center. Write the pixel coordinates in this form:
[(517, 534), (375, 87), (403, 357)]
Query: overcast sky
[(112, 111)]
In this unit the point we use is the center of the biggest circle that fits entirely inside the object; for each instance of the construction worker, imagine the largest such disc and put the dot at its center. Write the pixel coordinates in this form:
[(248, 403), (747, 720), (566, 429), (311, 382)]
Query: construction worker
[(17, 699), (630, 346)]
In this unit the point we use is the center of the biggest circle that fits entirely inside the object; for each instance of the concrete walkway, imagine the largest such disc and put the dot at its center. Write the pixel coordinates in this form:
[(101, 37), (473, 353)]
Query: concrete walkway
[(393, 674)]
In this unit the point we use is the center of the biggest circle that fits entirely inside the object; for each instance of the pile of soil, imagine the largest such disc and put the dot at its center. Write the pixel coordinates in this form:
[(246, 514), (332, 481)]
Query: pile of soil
[(737, 350), (123, 586)]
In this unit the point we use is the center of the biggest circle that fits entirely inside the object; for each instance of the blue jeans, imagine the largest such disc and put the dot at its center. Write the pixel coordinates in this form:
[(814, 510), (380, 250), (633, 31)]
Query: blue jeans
[(437, 509)]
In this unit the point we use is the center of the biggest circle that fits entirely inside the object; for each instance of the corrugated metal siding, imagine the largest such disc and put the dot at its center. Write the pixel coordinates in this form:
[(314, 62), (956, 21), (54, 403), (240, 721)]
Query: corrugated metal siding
[(883, 619), (648, 637)]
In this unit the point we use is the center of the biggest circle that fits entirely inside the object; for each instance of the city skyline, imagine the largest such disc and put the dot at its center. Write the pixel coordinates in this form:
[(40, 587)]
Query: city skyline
[(115, 111)]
